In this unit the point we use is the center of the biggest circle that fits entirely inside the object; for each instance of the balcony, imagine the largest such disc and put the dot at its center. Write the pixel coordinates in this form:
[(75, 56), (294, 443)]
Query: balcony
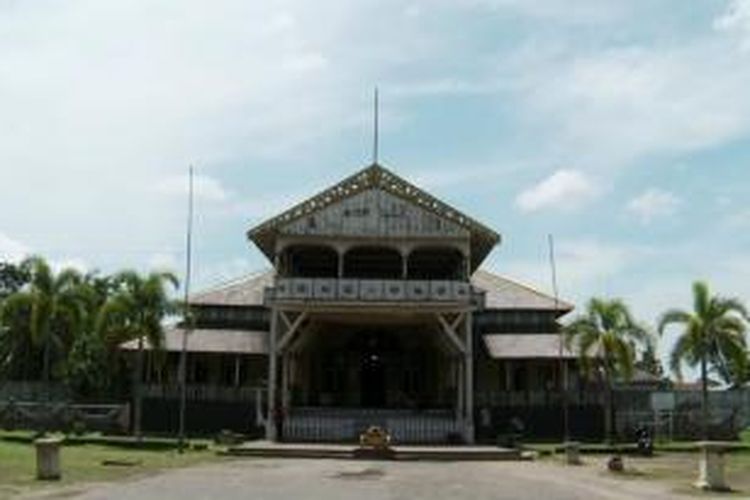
[(347, 290)]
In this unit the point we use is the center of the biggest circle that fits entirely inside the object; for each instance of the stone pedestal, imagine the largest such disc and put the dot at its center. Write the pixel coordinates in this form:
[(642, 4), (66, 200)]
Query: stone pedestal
[(711, 466), (48, 458), (572, 452)]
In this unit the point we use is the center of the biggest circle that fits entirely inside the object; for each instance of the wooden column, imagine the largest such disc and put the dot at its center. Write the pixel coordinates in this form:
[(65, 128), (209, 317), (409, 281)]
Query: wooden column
[(237, 358), (508, 375), (285, 380), (270, 420), (469, 379), (458, 366)]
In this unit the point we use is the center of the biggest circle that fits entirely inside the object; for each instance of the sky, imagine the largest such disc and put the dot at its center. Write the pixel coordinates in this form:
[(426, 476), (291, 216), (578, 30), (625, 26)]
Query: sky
[(620, 127)]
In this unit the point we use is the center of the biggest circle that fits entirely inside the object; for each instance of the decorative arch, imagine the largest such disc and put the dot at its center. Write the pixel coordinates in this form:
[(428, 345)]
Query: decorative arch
[(436, 263), (309, 261), (373, 262)]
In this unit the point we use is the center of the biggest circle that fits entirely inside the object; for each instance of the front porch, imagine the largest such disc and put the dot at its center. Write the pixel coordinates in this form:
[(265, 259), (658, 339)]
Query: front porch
[(339, 373)]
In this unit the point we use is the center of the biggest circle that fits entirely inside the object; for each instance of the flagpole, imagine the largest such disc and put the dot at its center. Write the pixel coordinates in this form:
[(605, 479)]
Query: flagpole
[(375, 129), (187, 319)]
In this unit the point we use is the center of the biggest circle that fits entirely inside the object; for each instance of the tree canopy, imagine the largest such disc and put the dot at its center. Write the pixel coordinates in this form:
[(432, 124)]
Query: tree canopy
[(66, 326)]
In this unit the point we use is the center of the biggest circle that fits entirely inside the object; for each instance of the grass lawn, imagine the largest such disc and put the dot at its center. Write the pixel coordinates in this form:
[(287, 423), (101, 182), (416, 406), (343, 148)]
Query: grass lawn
[(83, 463), (680, 470)]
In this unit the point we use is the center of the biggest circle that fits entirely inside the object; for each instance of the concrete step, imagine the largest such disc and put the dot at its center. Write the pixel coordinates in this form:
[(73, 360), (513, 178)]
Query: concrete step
[(335, 451)]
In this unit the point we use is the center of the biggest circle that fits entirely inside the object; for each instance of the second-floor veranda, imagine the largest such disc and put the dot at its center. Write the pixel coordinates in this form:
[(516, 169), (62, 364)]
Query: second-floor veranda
[(387, 273)]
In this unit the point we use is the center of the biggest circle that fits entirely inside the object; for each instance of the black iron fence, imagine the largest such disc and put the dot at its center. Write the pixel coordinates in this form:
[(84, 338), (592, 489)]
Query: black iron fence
[(346, 425), (66, 417)]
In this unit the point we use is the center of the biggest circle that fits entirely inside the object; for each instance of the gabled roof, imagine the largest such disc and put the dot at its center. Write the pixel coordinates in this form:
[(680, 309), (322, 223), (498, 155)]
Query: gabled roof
[(526, 346), (483, 239), (244, 291), (504, 293), (211, 340)]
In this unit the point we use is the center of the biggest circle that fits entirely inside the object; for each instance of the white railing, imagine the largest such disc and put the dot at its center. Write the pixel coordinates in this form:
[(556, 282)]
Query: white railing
[(372, 290), (345, 425)]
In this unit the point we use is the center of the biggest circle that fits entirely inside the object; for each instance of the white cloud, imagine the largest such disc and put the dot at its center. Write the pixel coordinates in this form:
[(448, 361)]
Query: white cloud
[(105, 104), (164, 261), (738, 219), (564, 189), (585, 267), (610, 106), (413, 10), (74, 263), (12, 250), (736, 19), (653, 203), (204, 187)]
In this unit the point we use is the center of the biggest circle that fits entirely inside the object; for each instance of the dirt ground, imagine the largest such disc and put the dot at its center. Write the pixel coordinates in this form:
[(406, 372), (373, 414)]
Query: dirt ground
[(276, 479)]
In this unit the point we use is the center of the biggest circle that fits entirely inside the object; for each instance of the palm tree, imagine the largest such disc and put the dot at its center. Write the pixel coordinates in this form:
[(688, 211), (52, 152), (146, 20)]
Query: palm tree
[(713, 333), (135, 311), (90, 369), (46, 313), (606, 336)]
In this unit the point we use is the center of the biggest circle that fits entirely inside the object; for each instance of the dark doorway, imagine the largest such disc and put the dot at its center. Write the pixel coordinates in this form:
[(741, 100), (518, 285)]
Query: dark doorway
[(372, 375)]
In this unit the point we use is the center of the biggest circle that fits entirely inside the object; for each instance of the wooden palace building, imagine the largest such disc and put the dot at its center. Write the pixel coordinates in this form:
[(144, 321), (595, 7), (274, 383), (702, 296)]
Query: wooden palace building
[(376, 311)]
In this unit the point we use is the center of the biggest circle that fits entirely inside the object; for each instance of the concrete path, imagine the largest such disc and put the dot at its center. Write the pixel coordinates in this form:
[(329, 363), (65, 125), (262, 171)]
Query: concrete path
[(276, 479)]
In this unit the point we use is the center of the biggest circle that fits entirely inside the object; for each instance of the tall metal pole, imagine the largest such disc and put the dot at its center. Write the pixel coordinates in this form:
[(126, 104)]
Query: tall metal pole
[(375, 131), (563, 371), (187, 319)]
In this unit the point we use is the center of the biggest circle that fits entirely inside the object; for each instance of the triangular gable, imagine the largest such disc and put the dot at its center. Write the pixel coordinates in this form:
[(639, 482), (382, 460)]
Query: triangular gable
[(374, 212), (375, 178)]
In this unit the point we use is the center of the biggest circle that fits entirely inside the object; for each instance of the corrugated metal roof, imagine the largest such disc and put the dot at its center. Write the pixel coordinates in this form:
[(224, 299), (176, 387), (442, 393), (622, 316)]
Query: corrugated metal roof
[(503, 293), (245, 291), (525, 346), (212, 340)]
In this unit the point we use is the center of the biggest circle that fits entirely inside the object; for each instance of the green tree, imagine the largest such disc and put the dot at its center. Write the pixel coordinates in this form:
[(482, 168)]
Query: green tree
[(606, 337), (135, 311), (648, 362), (13, 277), (90, 368), (712, 337), (44, 315)]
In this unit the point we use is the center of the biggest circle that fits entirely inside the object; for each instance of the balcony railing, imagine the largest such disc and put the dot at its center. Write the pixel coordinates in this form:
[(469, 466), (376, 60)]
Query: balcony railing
[(373, 290)]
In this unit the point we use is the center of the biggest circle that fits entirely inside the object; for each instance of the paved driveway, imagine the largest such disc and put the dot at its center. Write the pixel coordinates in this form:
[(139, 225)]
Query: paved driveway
[(264, 479)]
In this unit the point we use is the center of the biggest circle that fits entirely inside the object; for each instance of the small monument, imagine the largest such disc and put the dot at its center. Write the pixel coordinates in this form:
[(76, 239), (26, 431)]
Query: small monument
[(572, 452), (48, 458), (615, 463), (375, 442), (711, 466)]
